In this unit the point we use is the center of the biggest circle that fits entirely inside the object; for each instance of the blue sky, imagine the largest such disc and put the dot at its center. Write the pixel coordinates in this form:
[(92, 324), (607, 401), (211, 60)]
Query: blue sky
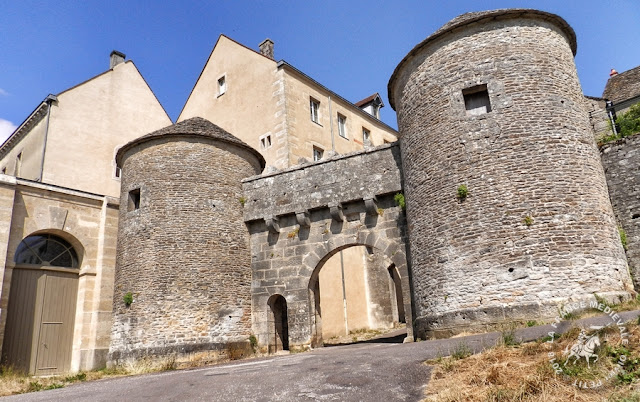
[(351, 47)]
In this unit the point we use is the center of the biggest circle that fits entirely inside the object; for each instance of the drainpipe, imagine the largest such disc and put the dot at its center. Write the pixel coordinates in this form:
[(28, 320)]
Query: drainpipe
[(49, 100), (333, 144), (344, 295), (612, 118)]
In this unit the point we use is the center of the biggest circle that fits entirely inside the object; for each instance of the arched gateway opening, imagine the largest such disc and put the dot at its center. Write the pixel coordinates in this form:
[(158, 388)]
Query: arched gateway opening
[(42, 304), (354, 290), (278, 324)]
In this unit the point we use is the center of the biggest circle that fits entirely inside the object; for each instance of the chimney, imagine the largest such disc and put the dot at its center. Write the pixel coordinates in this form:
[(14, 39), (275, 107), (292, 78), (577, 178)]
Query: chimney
[(116, 58), (266, 48), (613, 72)]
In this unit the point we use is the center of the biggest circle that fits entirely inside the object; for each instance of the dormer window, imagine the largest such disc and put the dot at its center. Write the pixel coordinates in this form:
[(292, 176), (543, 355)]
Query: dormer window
[(371, 105)]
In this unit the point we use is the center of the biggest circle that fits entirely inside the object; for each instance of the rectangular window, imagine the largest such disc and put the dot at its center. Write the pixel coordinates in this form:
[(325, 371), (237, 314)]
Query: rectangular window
[(366, 136), (265, 141), (317, 153), (476, 100), (314, 107), (134, 200), (222, 85), (342, 126), (117, 172)]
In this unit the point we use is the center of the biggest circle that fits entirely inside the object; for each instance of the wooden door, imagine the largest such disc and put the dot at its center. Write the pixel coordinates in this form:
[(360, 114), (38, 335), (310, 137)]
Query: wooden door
[(55, 338), (40, 320)]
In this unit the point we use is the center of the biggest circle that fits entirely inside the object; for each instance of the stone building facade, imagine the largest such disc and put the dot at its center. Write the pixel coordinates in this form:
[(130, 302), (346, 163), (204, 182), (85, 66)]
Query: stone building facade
[(502, 87), (508, 216), (183, 252), (59, 191)]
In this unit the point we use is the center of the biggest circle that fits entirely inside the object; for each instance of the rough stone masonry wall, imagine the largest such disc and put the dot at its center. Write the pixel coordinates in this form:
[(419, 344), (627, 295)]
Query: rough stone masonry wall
[(302, 216), (621, 160), (184, 254), (477, 262)]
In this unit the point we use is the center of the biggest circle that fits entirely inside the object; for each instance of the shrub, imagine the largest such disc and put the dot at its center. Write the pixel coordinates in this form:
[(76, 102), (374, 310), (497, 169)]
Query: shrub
[(400, 201), (623, 237), (462, 192), (629, 122), (528, 220), (127, 299)]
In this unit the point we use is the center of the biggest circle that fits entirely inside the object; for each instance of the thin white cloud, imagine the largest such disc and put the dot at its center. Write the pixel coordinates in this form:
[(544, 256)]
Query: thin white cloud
[(3, 92), (6, 128)]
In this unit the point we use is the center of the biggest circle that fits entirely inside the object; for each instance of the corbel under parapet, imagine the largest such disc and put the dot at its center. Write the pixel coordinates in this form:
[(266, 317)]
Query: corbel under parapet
[(303, 218), (371, 205), (273, 224), (335, 209)]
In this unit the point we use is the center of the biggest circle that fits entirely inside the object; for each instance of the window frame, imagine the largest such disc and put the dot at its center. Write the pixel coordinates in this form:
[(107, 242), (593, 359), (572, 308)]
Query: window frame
[(342, 126), (314, 111), (366, 139), (317, 151), (474, 96), (134, 199), (265, 141), (222, 85)]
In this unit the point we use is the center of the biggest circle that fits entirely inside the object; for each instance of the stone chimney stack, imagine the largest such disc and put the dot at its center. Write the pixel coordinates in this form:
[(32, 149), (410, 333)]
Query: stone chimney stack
[(266, 48), (116, 58)]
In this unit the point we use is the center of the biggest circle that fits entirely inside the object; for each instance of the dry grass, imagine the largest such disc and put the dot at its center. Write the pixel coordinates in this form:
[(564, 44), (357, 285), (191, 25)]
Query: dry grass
[(524, 372), (13, 382)]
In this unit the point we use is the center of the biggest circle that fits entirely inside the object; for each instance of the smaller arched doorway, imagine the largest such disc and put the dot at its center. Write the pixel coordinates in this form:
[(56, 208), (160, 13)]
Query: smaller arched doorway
[(42, 304), (278, 324)]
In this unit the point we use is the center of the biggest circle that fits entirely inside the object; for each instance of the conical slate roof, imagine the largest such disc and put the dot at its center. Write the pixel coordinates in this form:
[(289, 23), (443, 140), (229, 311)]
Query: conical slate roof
[(468, 18), (195, 126)]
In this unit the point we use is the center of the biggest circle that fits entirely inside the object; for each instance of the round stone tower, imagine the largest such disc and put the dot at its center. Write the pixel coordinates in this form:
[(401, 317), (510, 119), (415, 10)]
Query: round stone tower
[(183, 268), (507, 205)]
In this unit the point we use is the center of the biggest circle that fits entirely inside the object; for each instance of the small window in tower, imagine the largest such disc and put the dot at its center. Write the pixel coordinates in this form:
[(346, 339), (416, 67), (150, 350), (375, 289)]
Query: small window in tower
[(222, 85), (118, 172), (476, 100), (317, 153), (4, 170), (134, 200)]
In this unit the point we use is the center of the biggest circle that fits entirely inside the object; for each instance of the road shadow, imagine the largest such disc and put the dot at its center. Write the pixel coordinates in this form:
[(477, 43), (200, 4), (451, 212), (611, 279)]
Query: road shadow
[(391, 337)]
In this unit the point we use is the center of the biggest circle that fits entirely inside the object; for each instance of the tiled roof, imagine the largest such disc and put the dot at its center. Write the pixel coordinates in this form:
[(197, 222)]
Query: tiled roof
[(195, 126), (623, 86), (472, 17), (368, 99)]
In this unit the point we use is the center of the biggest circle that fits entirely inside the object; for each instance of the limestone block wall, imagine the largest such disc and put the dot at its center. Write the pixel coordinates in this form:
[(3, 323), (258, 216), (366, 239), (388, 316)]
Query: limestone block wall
[(183, 253), (537, 228), (302, 216), (621, 160), (89, 223)]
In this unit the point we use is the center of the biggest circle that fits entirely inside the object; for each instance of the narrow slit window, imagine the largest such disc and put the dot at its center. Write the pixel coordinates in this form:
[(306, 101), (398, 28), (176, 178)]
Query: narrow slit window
[(134, 200), (222, 85), (476, 100)]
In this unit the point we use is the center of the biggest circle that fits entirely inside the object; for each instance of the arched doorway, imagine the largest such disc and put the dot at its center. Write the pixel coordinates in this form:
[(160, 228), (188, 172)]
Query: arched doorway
[(354, 290), (278, 324), (42, 304)]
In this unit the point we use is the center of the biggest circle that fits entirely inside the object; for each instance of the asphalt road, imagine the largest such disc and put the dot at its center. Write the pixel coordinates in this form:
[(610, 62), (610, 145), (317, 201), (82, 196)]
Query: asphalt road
[(377, 370)]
